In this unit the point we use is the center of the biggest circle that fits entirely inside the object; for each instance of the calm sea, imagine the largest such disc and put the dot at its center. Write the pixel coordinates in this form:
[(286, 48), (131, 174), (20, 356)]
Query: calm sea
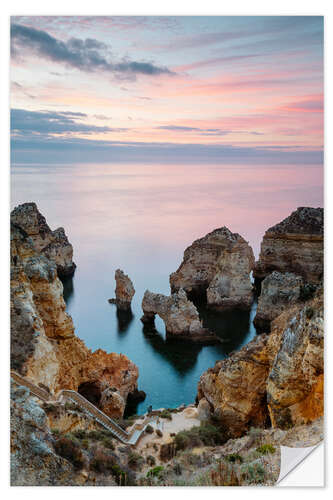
[(140, 218)]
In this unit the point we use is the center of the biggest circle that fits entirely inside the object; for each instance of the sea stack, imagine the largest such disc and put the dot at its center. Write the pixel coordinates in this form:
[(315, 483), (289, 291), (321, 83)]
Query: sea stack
[(124, 291), (179, 314), (217, 267), (294, 245), (52, 244)]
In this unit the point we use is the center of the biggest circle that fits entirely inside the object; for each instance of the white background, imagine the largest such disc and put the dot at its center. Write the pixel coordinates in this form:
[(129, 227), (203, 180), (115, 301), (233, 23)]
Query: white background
[(308, 469)]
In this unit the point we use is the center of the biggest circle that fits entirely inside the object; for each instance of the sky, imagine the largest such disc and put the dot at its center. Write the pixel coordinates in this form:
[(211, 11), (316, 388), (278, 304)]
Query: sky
[(167, 89)]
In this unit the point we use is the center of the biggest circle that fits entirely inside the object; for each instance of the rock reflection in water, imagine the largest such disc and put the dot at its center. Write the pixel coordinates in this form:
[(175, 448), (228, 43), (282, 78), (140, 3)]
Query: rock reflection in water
[(124, 319), (68, 292)]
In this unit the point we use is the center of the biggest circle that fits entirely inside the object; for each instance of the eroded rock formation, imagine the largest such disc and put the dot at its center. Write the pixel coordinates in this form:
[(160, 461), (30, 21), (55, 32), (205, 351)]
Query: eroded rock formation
[(279, 291), (44, 346), (294, 245), (218, 265), (295, 386), (179, 314), (236, 387), (280, 375), (33, 460), (52, 244), (124, 291)]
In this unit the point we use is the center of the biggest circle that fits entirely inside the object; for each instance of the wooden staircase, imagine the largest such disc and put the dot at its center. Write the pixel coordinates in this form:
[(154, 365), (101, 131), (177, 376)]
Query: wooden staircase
[(91, 410)]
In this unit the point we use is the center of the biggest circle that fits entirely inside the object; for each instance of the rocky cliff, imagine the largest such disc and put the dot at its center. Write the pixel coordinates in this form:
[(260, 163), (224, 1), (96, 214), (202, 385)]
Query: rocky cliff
[(124, 291), (44, 346), (218, 266), (33, 460), (279, 291), (275, 379), (179, 314), (294, 245), (52, 244)]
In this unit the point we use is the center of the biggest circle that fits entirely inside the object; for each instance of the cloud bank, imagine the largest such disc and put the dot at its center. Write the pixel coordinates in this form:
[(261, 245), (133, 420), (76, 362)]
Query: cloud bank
[(25, 122), (85, 55), (47, 150)]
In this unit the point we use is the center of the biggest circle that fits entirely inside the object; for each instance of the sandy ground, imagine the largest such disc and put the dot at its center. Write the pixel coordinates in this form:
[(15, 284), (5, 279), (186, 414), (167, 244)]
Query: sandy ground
[(180, 421)]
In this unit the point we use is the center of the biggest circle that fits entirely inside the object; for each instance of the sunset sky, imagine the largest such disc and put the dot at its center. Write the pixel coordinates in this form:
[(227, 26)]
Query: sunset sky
[(191, 89)]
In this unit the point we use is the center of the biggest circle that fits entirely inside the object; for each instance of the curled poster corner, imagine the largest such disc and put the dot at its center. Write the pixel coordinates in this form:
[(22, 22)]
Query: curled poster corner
[(291, 458)]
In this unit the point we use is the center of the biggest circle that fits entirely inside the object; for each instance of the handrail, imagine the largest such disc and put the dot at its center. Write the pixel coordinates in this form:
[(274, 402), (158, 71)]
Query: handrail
[(79, 399), (85, 405), (37, 391)]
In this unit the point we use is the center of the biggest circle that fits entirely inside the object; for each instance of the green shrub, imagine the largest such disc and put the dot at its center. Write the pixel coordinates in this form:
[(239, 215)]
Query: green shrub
[(166, 414), (233, 458), (159, 433), (96, 435), (135, 460), (102, 462), (265, 449), (253, 473), (85, 444), (156, 471), (55, 432), (149, 429), (307, 291), (67, 448), (177, 468), (151, 460), (309, 312), (108, 443), (205, 435), (80, 434)]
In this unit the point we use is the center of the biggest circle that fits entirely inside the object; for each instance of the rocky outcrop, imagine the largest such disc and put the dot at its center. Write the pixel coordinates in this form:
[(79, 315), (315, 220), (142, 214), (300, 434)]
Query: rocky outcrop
[(52, 244), (124, 291), (295, 386), (236, 387), (179, 314), (44, 346), (218, 266), (33, 460), (108, 379), (294, 245), (279, 291), (280, 375)]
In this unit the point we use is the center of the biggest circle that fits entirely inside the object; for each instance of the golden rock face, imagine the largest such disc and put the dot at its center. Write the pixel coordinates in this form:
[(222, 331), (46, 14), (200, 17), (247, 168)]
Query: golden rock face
[(280, 375), (44, 346), (294, 245), (218, 265)]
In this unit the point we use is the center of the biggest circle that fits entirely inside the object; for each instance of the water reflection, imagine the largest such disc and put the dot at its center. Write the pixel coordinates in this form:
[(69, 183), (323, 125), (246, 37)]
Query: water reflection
[(232, 327), (68, 292), (124, 319), (182, 356), (141, 218)]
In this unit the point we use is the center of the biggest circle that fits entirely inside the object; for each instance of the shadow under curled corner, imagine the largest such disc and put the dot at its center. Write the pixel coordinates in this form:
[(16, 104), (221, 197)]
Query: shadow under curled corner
[(293, 459)]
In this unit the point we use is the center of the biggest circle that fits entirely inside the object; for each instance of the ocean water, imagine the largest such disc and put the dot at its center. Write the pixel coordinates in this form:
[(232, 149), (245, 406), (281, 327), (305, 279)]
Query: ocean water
[(140, 218)]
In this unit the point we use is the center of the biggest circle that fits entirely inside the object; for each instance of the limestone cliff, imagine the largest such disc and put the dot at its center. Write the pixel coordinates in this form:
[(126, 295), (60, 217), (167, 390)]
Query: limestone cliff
[(218, 265), (295, 385), (44, 346), (52, 244), (33, 460), (294, 245), (179, 314), (279, 291), (280, 375), (236, 387)]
